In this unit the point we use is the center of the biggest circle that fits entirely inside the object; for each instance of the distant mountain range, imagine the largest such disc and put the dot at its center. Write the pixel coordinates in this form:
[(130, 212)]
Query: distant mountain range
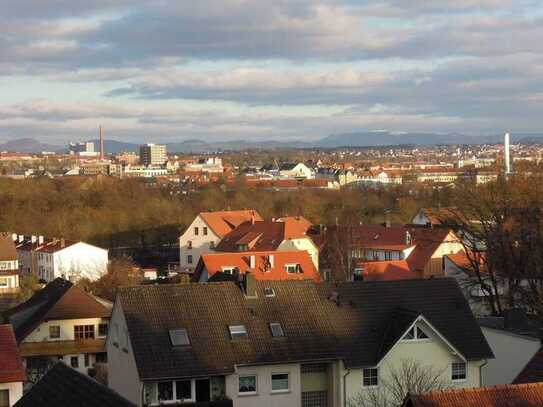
[(359, 139)]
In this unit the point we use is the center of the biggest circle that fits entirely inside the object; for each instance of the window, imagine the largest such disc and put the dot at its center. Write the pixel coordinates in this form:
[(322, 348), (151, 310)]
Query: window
[(189, 259), (238, 331), (370, 377), (54, 332), (74, 362), (183, 390), (165, 391), (189, 244), (229, 270), (276, 329), (292, 268), (415, 333), (458, 371), (268, 292), (279, 382), (102, 329), (87, 360), (196, 231), (3, 282), (204, 231), (212, 244), (247, 384), (4, 398), (101, 357), (179, 337), (84, 331)]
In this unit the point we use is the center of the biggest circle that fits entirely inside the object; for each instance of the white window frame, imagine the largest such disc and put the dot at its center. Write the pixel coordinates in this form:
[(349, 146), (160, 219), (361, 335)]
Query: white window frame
[(248, 393), (287, 390), (370, 369), (415, 338), (465, 372), (289, 266)]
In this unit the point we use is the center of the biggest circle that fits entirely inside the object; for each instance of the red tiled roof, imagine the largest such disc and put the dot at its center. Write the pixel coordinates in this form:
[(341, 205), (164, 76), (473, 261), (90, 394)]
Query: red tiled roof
[(56, 245), (222, 222), (7, 248), (11, 364), (214, 263), (427, 242), (387, 270), (295, 226), (515, 395), (533, 371)]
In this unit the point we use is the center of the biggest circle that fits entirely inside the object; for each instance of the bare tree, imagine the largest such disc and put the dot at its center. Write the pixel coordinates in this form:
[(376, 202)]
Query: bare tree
[(410, 376)]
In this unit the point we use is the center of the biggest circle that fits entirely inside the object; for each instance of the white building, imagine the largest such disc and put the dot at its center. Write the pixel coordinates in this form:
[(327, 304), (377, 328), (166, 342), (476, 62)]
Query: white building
[(52, 258), (206, 231), (299, 170), (139, 171), (9, 266), (153, 154)]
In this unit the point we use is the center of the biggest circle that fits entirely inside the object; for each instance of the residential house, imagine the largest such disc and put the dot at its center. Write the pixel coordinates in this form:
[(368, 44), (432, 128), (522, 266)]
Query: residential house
[(51, 258), (206, 231), (266, 265), (525, 395), (296, 170), (282, 234), (9, 266), (287, 343), (440, 175), (63, 386), (60, 322), (513, 345), (381, 176), (12, 371)]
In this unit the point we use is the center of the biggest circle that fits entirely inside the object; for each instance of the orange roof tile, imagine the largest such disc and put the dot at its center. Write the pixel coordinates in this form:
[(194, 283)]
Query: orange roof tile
[(263, 267), (513, 395), (387, 270), (223, 222)]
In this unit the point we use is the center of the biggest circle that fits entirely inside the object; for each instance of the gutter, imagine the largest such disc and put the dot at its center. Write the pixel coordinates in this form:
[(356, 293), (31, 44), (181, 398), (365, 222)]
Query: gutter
[(481, 372), (345, 387)]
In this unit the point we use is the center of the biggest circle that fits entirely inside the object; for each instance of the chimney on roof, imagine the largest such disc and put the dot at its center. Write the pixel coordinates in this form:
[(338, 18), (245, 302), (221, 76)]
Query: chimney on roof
[(21, 238), (252, 262), (249, 285), (33, 239), (62, 242)]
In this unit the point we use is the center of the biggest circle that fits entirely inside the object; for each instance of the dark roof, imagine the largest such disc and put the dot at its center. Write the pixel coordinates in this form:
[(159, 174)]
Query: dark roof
[(59, 299), (533, 371), (11, 364), (376, 303), (359, 330), (64, 386), (287, 166), (519, 395)]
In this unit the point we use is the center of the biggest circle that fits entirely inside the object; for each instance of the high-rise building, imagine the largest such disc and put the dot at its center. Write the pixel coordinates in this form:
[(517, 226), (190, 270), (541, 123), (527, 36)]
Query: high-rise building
[(153, 154), (84, 147)]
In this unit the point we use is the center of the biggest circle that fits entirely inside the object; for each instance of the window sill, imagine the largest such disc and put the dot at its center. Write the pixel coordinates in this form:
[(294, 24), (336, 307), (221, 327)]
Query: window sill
[(280, 391), (245, 394), (370, 387), (459, 380)]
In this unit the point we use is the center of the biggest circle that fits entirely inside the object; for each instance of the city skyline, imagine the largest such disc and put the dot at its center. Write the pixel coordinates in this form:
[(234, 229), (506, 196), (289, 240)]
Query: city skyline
[(284, 70)]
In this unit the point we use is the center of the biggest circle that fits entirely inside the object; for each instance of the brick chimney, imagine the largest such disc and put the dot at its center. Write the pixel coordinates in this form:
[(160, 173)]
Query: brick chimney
[(249, 285)]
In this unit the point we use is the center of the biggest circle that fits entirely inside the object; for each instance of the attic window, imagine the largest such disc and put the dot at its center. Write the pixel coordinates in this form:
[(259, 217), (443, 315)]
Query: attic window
[(293, 268), (269, 292), (238, 331), (415, 333), (179, 337), (276, 329)]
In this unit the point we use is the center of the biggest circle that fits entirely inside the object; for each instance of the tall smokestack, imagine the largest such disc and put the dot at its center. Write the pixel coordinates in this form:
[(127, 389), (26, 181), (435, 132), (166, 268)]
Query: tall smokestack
[(507, 156), (101, 144)]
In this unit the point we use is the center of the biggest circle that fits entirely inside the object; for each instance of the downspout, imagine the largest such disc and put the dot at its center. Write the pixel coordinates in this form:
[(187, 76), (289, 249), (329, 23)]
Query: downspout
[(345, 387), (481, 372)]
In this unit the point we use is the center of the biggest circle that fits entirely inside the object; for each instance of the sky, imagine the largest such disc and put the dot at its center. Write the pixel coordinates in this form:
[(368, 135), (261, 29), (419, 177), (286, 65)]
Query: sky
[(214, 70)]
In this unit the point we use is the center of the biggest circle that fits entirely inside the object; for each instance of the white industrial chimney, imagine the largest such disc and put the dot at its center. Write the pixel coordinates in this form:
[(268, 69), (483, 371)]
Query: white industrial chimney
[(507, 156)]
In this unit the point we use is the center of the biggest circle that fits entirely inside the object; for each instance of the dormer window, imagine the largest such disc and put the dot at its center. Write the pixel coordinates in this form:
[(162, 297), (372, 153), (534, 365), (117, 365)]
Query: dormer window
[(229, 270), (179, 337), (415, 333), (293, 268), (238, 331)]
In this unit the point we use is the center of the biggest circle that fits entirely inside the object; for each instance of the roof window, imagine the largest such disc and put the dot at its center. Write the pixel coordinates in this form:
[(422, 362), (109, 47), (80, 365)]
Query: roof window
[(238, 331), (276, 329), (269, 292), (179, 337)]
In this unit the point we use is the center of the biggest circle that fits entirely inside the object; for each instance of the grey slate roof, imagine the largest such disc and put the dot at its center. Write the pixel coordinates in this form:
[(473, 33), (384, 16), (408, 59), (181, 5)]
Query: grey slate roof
[(64, 386), (358, 328)]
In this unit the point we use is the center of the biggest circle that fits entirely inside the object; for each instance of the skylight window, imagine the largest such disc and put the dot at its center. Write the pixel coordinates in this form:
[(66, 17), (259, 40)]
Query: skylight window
[(269, 292), (276, 330), (238, 331), (179, 337)]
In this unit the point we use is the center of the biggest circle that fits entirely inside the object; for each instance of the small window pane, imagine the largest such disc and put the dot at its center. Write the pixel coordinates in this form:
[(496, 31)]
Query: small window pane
[(54, 332), (74, 362), (238, 331), (165, 391), (179, 337), (409, 335), (276, 329), (183, 389), (247, 384), (4, 398), (102, 329), (370, 377), (421, 334), (279, 381), (150, 393), (459, 371)]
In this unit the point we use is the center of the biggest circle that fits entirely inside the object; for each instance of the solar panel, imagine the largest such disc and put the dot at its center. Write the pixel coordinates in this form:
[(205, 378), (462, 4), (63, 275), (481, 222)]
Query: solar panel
[(179, 337)]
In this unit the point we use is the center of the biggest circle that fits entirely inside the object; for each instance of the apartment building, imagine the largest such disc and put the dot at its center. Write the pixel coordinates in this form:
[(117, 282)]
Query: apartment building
[(287, 343), (153, 154)]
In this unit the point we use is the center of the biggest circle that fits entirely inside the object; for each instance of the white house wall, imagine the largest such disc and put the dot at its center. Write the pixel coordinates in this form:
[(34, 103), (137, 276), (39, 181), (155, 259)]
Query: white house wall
[(512, 353), (15, 391), (80, 260), (200, 243)]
